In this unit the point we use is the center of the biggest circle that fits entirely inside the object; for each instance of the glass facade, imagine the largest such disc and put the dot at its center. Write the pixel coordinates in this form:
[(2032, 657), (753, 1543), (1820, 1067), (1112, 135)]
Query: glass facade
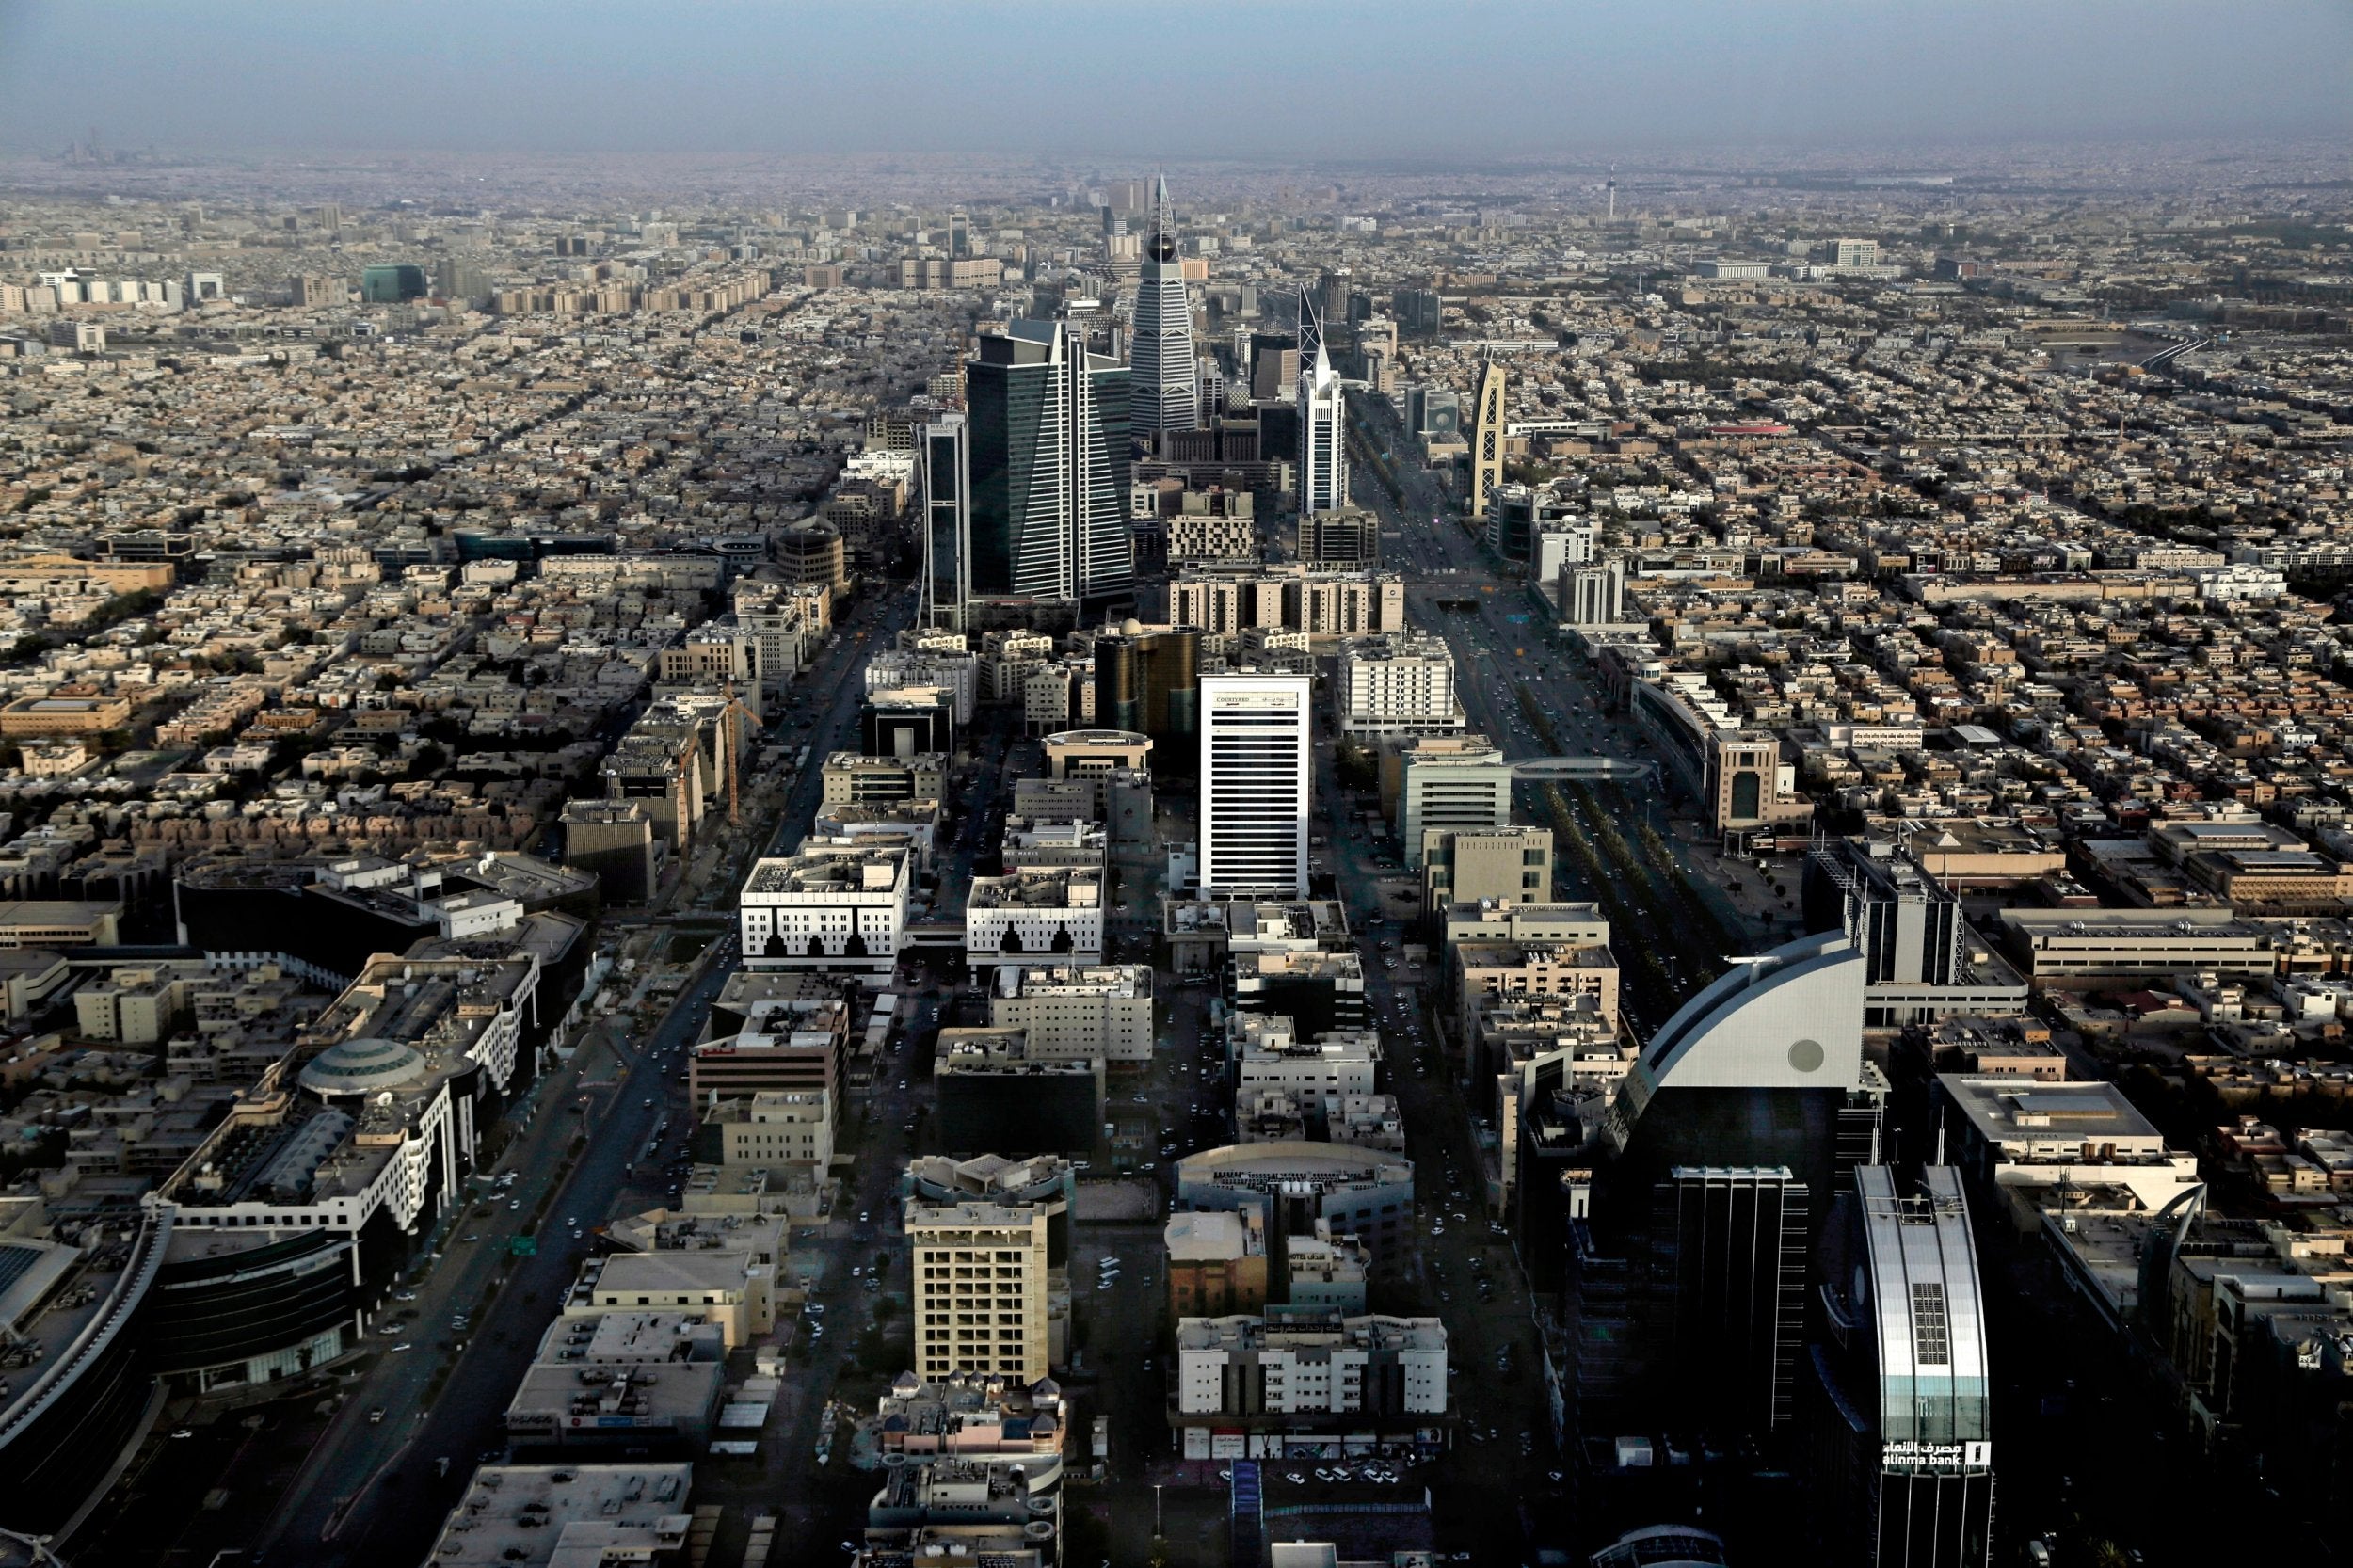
[(1049, 469)]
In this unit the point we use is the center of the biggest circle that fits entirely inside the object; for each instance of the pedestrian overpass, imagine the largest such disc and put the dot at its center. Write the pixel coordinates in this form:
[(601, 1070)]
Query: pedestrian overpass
[(1584, 770)]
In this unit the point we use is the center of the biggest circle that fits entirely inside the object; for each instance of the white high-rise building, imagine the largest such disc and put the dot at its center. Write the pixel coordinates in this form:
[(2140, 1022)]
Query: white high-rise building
[(1595, 595), (1255, 762), (1162, 380), (1398, 683), (1322, 421)]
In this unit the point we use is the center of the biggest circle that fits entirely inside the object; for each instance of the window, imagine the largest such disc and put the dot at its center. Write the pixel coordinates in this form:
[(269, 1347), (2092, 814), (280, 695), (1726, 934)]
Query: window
[(1932, 1342)]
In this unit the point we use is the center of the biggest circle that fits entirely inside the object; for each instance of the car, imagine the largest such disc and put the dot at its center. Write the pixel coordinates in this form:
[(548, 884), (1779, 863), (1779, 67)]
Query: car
[(397, 1346), (469, 1236), (856, 1270), (1294, 1478), (815, 1309)]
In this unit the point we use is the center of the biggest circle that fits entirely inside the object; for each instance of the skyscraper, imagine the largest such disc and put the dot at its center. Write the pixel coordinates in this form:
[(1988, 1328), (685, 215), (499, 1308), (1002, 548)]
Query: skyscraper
[(1895, 1402), (947, 522), (1322, 421), (1255, 763), (1486, 442), (1047, 438), (1693, 1210), (1162, 388)]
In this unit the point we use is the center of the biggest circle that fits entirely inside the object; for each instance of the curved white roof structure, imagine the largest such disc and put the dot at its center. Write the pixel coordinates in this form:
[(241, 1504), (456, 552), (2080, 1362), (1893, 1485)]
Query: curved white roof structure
[(1791, 1019)]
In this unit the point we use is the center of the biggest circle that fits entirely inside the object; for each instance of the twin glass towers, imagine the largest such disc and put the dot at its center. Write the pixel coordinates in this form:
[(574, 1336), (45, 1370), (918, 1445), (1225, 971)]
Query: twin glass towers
[(1026, 494)]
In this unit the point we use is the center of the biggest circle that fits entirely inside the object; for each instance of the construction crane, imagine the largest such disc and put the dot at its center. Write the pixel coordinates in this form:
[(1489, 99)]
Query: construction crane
[(735, 752)]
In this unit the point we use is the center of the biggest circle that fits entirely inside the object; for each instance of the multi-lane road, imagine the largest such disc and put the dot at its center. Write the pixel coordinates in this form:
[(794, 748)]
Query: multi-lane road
[(372, 1491)]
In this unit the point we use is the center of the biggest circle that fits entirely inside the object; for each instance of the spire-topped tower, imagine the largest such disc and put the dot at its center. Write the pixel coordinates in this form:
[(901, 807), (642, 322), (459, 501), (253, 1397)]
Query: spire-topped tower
[(1162, 380), (1322, 474)]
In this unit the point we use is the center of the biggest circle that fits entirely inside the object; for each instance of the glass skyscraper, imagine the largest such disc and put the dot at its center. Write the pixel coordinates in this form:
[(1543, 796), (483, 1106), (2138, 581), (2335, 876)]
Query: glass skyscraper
[(947, 522), (1164, 394), (1049, 469), (1899, 1451)]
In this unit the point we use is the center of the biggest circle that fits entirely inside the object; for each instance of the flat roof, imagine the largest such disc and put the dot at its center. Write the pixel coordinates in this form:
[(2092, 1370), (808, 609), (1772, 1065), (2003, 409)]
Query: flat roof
[(540, 1516)]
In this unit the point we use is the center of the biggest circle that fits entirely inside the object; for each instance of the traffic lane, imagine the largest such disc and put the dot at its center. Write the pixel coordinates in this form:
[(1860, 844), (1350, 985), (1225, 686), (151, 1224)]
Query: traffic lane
[(353, 1447), (592, 1185), (467, 1417)]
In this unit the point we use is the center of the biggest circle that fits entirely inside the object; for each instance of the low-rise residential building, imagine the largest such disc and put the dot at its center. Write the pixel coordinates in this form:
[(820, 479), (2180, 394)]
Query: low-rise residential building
[(1266, 1383), (772, 1128), (1217, 1262)]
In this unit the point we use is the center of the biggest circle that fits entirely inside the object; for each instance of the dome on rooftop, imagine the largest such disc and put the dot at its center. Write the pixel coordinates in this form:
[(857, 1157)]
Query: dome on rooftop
[(362, 1066)]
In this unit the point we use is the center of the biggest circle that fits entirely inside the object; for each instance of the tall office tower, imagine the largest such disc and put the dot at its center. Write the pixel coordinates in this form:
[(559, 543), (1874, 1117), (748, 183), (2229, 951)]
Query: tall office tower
[(1211, 382), (959, 236), (1893, 1403), (947, 522), (1332, 291), (1323, 425), (1162, 380), (1048, 467), (1486, 441), (1692, 1209), (1147, 680), (1256, 759), (1728, 1263)]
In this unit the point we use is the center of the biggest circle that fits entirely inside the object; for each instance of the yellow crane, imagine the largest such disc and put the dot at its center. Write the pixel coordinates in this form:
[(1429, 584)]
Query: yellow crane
[(734, 738)]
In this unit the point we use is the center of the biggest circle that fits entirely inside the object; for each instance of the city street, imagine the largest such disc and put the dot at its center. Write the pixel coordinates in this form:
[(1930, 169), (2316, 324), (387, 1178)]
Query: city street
[(356, 1490)]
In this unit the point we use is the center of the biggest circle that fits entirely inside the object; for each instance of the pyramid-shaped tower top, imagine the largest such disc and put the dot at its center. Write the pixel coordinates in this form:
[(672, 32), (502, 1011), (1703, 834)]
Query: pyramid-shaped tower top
[(1163, 242)]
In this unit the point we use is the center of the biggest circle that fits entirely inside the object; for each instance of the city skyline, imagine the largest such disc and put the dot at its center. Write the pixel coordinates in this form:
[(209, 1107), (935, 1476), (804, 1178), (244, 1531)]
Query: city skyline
[(1501, 850)]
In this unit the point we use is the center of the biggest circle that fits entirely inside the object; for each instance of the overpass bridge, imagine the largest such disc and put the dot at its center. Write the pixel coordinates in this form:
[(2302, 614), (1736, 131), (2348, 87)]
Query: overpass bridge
[(1584, 770)]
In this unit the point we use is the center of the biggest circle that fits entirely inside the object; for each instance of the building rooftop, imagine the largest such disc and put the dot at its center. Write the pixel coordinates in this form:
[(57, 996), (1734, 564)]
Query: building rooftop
[(568, 1516)]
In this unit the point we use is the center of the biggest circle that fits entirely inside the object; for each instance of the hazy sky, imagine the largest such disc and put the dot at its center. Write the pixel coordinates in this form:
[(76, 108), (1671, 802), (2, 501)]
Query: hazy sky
[(1169, 79)]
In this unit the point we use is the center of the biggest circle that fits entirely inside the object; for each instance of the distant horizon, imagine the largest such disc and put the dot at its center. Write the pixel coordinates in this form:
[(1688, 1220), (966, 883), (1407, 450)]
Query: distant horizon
[(1505, 82)]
